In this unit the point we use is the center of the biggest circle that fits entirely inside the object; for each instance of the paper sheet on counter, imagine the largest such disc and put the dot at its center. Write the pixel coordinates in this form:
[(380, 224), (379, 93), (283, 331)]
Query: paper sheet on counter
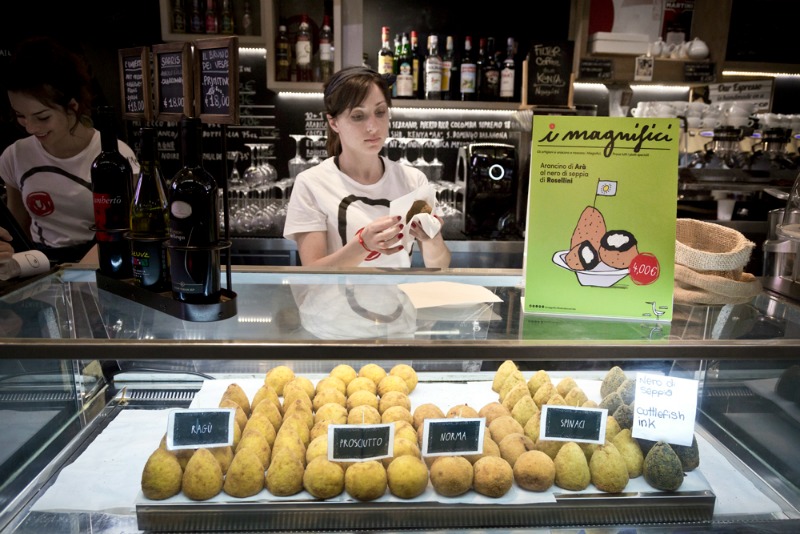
[(114, 461), (431, 294)]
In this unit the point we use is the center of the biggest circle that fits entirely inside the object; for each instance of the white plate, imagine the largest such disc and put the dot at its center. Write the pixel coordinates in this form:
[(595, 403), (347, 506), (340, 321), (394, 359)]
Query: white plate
[(601, 276)]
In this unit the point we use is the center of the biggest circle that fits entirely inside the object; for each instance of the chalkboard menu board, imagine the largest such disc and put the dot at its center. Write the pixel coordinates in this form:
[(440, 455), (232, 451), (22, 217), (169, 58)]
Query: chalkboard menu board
[(134, 65), (596, 69), (217, 80), (701, 71), (547, 80), (172, 65)]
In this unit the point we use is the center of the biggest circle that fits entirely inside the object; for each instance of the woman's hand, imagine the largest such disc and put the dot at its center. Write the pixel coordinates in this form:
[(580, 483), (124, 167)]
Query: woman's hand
[(383, 235), (6, 249), (434, 250)]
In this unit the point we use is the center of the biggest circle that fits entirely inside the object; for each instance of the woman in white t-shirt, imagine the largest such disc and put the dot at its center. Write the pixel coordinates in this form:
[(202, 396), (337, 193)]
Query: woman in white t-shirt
[(338, 211), (48, 173)]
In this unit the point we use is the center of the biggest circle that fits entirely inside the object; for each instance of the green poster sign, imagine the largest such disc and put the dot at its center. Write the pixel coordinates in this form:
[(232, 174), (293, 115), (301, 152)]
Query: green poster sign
[(602, 205)]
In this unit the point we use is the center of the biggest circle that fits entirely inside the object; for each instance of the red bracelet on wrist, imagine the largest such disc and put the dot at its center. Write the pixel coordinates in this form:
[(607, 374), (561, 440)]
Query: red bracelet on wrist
[(361, 240)]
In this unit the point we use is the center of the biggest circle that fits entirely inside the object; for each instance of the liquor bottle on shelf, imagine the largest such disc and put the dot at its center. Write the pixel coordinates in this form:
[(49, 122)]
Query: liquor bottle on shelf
[(111, 176), (480, 61), (507, 74), (490, 74), (405, 66), (325, 50), (282, 55), (468, 81), (385, 54), (416, 67), (178, 17), (196, 22), (303, 51), (448, 63), (433, 70), (247, 19), (396, 61), (226, 18), (194, 254), (149, 219), (212, 19)]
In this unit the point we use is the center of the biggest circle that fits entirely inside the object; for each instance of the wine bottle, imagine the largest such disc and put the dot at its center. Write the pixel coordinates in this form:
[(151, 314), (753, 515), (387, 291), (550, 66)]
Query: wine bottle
[(111, 176), (178, 17), (416, 67), (325, 50), (149, 218), (405, 66), (212, 19), (194, 258), (282, 55), (433, 70), (196, 24), (303, 51), (226, 25), (490, 74), (507, 74), (247, 19), (385, 55), (448, 61), (468, 81)]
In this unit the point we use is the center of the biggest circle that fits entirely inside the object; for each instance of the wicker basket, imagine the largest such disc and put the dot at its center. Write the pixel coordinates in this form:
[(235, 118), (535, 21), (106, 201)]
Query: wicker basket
[(710, 261)]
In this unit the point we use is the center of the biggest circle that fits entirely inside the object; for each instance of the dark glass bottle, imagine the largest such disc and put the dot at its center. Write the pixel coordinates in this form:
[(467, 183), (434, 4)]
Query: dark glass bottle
[(196, 22), (325, 50), (111, 175), (304, 51), (212, 19), (226, 24), (490, 74), (194, 223), (385, 54), (282, 55), (480, 61), (149, 218), (416, 68), (468, 77), (508, 82), (247, 20), (178, 17)]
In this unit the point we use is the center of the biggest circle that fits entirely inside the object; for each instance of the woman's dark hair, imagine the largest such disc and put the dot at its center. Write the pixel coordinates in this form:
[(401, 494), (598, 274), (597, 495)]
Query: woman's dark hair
[(46, 70), (345, 90)]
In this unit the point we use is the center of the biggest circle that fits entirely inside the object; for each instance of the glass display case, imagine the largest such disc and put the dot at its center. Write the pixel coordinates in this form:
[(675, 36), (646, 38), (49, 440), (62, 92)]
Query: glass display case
[(87, 376)]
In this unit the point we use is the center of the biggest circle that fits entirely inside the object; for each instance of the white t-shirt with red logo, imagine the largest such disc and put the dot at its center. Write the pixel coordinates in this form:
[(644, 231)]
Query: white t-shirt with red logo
[(324, 199), (57, 192)]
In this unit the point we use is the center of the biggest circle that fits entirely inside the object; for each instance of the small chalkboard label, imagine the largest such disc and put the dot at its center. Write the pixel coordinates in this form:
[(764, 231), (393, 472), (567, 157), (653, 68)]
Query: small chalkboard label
[(358, 443), (217, 80), (549, 77), (701, 71), (568, 423), (172, 64), (134, 72), (453, 436), (596, 69), (193, 428)]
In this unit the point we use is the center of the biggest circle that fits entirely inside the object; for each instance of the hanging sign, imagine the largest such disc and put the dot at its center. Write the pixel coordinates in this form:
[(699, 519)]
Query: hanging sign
[(172, 65), (134, 77), (217, 80)]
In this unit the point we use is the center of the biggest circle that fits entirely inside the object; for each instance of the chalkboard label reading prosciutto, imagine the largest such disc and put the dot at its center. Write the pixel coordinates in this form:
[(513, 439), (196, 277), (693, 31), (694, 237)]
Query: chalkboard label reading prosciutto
[(453, 436), (358, 443), (217, 80), (134, 66), (173, 87), (192, 428), (550, 73)]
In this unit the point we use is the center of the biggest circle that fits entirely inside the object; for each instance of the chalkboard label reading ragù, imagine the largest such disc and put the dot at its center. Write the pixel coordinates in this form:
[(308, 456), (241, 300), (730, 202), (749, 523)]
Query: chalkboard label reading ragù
[(217, 80), (453, 436), (357, 443), (134, 64), (567, 423), (192, 428), (173, 87)]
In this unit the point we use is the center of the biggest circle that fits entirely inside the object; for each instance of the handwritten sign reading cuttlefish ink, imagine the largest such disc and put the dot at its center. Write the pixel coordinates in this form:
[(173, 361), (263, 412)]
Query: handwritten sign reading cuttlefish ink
[(664, 408)]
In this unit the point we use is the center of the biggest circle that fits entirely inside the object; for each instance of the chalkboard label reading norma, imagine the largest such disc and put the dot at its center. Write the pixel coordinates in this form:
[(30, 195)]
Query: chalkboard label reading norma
[(193, 428), (217, 80), (358, 443), (453, 436), (567, 423), (173, 87), (134, 65)]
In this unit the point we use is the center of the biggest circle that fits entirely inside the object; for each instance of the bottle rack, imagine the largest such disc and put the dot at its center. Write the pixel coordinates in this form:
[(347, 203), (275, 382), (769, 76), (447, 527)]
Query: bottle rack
[(163, 301)]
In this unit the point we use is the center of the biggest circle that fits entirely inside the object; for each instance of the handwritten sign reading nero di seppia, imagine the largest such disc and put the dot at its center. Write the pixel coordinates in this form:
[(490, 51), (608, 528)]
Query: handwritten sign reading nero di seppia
[(453, 436), (569, 423), (192, 428), (664, 408), (359, 443)]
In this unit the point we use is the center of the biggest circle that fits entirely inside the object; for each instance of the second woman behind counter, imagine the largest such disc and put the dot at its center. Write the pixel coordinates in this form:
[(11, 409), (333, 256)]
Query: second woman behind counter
[(339, 210)]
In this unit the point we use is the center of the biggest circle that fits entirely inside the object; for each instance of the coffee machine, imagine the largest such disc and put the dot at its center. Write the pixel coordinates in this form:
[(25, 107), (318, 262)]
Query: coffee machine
[(488, 174)]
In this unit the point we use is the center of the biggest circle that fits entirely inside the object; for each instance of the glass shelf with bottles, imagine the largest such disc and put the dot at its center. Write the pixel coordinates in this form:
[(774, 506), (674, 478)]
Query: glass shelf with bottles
[(189, 20)]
